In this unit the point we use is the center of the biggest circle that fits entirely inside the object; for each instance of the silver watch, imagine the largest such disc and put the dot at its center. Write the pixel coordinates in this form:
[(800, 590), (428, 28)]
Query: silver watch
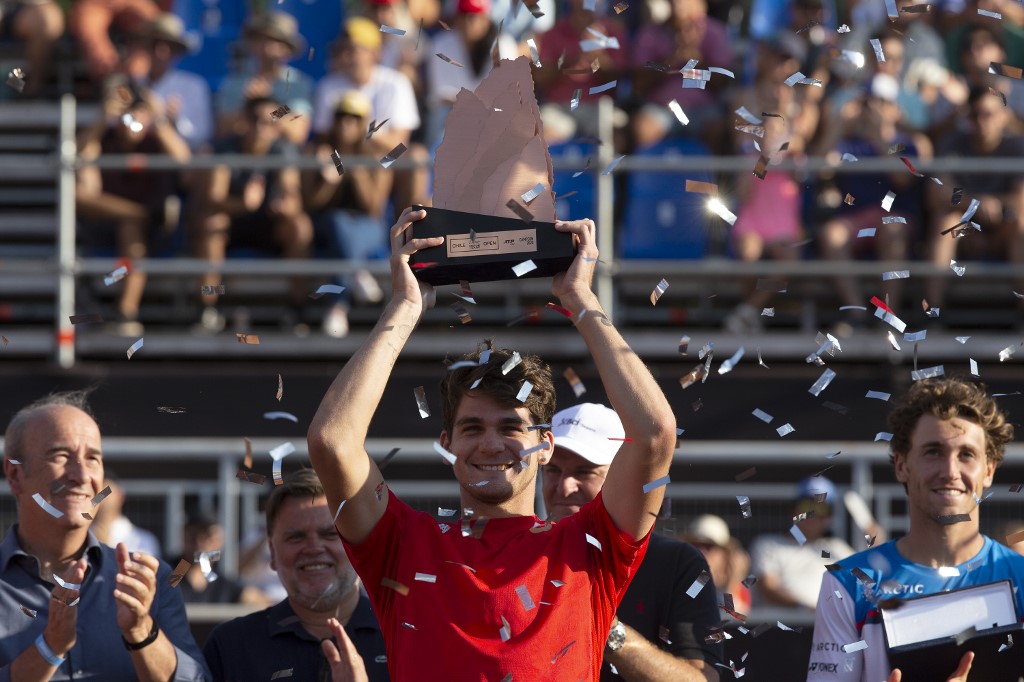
[(616, 636)]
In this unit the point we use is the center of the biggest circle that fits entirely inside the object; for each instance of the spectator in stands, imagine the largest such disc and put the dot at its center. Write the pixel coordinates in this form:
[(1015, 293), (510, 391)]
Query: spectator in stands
[(1011, 26), (202, 534), (91, 22), (1000, 212), (469, 43), (139, 208), (789, 567), (244, 207), (574, 190), (404, 53), (348, 206), (689, 33), (948, 438), (495, 443), (662, 220), (727, 560), (981, 47), (769, 222), (357, 67), (325, 628), (868, 126), (662, 629), (112, 527), (566, 66), (186, 95), (66, 599), (38, 24), (272, 39)]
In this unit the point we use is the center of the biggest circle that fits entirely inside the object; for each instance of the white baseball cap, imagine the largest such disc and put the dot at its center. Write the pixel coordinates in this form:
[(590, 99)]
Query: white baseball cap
[(707, 528), (587, 430)]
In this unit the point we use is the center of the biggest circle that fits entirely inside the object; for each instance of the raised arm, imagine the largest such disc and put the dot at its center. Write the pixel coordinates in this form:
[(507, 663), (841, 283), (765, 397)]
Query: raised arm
[(337, 434), (645, 413)]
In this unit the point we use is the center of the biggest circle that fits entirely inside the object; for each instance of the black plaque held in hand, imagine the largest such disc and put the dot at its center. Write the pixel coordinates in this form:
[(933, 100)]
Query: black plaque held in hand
[(484, 248)]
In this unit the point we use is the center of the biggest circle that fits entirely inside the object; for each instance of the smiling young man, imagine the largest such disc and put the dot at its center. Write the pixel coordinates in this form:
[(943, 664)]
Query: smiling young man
[(948, 437), (65, 599), (501, 595), (325, 628)]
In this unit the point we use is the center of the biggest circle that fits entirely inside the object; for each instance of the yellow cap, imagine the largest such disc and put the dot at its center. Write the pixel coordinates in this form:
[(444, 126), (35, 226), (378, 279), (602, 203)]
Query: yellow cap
[(363, 33), (355, 103)]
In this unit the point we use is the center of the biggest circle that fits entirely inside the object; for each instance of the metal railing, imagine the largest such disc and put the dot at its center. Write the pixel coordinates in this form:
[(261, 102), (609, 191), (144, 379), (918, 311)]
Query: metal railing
[(67, 266)]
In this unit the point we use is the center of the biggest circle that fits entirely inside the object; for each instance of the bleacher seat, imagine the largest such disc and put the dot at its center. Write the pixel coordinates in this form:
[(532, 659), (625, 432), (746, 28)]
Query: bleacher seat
[(662, 220), (581, 204), (319, 23)]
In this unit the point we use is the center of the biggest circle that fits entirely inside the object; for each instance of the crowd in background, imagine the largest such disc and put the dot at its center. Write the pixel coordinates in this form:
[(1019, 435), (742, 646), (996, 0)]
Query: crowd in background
[(772, 80)]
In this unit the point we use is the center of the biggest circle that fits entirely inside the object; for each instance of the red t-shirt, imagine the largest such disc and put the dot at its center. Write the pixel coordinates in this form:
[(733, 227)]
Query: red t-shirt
[(460, 588)]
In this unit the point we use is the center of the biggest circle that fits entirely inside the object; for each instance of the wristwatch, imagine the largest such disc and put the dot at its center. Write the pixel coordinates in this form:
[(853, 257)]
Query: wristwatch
[(616, 636)]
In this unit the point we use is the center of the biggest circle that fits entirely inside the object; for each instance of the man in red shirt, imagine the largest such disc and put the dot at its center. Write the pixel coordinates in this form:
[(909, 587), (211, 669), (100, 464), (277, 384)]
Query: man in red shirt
[(497, 595)]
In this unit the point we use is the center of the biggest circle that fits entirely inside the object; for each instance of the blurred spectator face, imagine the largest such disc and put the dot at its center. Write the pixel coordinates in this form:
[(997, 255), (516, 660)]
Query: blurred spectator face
[(355, 59), (979, 49), (349, 129), (649, 126), (570, 481), (473, 26), (818, 519), (268, 50), (262, 128), (689, 10), (308, 556), (892, 48), (988, 118), (381, 12)]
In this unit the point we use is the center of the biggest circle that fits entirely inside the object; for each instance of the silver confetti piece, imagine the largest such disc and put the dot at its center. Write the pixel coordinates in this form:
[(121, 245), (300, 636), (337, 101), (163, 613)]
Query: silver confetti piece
[(391, 30), (729, 363), (524, 267), (890, 9), (593, 541), (577, 385), (525, 598), (883, 435), (1006, 353), (763, 416), (393, 155), (655, 484), (16, 79), (797, 534), (744, 503), (448, 59), (575, 101), (66, 585), (524, 392), (678, 112), (325, 289), (928, 373), (533, 193), (116, 276), (511, 363), (612, 165), (210, 290), (280, 112), (288, 416), (448, 457), (990, 14), (425, 578), (890, 196), (822, 383), (338, 165), (101, 495), (598, 89), (913, 337), (895, 274), (855, 646), (132, 349), (878, 395), (658, 291), (534, 53), (421, 402), (716, 206), (958, 269), (974, 367), (47, 507), (523, 454), (785, 429), (876, 45), (703, 579)]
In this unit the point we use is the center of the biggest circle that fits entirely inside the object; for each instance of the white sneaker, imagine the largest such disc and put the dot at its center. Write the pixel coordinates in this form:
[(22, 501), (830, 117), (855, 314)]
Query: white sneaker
[(336, 322)]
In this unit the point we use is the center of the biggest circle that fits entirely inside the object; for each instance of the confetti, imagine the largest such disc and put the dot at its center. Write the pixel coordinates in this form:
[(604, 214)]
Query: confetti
[(511, 363), (655, 484), (534, 53), (132, 349), (728, 364), (878, 395), (247, 339), (523, 454), (101, 495), (170, 410), (990, 14), (913, 337), (1005, 70), (448, 457), (822, 383), (116, 275), (395, 585), (890, 9), (66, 585), (371, 129), (1006, 353), (612, 165), (744, 503), (974, 367), (16, 79), (524, 391), (927, 373), (574, 103), (29, 612), (446, 58), (701, 187), (247, 462), (855, 646), (800, 79), (519, 210), (533, 193), (797, 534), (421, 402), (866, 232), (525, 598), (958, 269), (524, 267), (251, 477), (658, 291), (178, 573), (47, 507), (716, 206), (463, 314), (598, 89), (388, 159), (1007, 644), (327, 289), (883, 435), (876, 45), (895, 274), (281, 415), (211, 289), (280, 112), (703, 579), (684, 345), (763, 416), (890, 196), (391, 30), (1014, 538), (785, 429), (593, 541), (678, 112), (760, 361)]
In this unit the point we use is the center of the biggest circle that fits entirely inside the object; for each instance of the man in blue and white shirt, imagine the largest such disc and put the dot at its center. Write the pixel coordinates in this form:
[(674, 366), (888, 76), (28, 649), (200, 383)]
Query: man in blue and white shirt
[(948, 437)]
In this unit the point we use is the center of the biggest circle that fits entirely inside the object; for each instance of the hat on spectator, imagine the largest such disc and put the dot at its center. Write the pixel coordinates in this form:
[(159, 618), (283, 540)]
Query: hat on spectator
[(588, 429), (817, 488), (362, 32), (474, 7), (279, 26), (707, 529), (170, 29), (354, 103)]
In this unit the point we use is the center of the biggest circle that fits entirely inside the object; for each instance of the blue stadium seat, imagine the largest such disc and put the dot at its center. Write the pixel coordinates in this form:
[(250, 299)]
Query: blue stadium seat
[(319, 23), (582, 204), (215, 27), (662, 219)]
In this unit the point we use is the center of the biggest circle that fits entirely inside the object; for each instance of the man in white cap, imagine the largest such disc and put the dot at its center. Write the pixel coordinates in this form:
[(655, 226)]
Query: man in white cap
[(587, 438)]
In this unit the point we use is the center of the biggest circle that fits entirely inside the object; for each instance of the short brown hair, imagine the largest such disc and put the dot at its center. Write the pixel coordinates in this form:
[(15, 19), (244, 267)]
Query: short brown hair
[(946, 399), (303, 484), (501, 387)]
